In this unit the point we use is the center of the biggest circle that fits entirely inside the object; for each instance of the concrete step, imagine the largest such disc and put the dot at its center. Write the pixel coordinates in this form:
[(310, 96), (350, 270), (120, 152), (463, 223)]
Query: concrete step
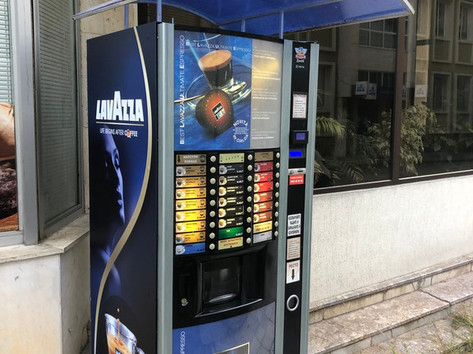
[(367, 327), (437, 337)]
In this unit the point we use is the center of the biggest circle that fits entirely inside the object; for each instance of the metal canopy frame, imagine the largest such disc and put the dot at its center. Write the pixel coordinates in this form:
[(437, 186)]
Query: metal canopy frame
[(242, 20)]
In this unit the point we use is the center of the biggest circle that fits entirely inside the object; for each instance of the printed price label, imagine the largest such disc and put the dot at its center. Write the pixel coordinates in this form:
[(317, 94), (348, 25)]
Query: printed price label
[(191, 237), (190, 193), (191, 159), (192, 226), (262, 207), (261, 237), (190, 182), (265, 226), (191, 170), (262, 217), (263, 197), (190, 204), (230, 243), (263, 156), (263, 187), (190, 215), (263, 177), (263, 166)]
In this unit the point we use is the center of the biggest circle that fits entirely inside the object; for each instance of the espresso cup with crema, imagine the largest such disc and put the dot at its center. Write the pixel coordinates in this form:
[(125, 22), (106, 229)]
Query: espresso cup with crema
[(217, 68)]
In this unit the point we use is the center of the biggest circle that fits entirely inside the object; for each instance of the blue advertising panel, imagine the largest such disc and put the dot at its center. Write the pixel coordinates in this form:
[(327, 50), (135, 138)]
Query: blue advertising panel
[(121, 85), (226, 93), (252, 332)]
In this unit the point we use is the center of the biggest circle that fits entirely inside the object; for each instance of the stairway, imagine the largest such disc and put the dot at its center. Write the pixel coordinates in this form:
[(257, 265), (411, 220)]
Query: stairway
[(417, 321)]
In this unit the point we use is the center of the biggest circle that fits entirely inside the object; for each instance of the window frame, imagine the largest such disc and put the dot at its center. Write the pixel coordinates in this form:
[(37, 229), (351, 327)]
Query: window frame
[(23, 91), (383, 32)]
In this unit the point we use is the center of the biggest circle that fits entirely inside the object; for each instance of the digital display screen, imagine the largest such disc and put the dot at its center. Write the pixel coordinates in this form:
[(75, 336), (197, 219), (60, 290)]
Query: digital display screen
[(301, 136), (295, 153)]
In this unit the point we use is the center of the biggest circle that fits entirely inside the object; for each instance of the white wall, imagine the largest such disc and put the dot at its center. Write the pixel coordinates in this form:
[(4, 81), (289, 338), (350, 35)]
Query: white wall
[(360, 238), (44, 293)]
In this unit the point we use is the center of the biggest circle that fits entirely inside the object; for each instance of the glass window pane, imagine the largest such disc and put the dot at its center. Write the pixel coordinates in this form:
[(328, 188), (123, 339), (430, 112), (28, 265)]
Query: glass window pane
[(377, 25), (437, 121), (390, 41), (376, 39), (440, 19), (463, 93), (390, 25), (353, 143), (364, 37)]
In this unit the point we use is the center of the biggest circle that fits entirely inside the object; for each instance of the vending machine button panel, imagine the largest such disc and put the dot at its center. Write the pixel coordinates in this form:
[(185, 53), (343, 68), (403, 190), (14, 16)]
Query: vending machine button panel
[(230, 196)]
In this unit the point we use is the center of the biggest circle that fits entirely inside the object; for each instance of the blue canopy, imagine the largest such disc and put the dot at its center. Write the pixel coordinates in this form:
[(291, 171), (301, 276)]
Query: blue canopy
[(269, 17)]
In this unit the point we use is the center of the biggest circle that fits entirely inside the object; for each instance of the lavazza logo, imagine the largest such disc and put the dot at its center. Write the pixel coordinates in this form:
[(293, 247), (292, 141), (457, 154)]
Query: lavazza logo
[(121, 110)]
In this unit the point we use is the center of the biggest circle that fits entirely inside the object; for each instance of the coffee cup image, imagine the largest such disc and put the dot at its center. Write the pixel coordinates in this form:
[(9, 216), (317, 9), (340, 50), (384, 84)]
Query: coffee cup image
[(221, 213), (222, 191), (119, 338), (214, 111), (222, 202), (222, 223), (217, 68)]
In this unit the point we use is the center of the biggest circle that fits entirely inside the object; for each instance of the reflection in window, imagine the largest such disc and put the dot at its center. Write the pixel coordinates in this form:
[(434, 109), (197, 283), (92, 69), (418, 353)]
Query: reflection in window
[(440, 19), (440, 95), (463, 93), (465, 22), (354, 138), (381, 34)]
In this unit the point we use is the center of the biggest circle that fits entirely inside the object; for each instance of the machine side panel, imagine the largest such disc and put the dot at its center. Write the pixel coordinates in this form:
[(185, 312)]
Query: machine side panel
[(123, 189)]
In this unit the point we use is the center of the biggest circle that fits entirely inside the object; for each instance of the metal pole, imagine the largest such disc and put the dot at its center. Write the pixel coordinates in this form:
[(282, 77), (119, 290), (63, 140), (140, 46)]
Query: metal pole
[(281, 24), (126, 11), (159, 10)]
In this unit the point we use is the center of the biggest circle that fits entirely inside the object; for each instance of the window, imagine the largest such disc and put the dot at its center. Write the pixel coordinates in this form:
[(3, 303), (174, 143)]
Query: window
[(371, 139), (463, 93), (440, 19), (381, 34), (8, 170), (324, 90), (440, 99), (465, 22), (59, 173)]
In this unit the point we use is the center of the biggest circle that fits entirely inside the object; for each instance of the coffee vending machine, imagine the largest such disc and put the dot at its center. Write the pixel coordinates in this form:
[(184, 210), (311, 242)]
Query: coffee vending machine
[(201, 171)]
